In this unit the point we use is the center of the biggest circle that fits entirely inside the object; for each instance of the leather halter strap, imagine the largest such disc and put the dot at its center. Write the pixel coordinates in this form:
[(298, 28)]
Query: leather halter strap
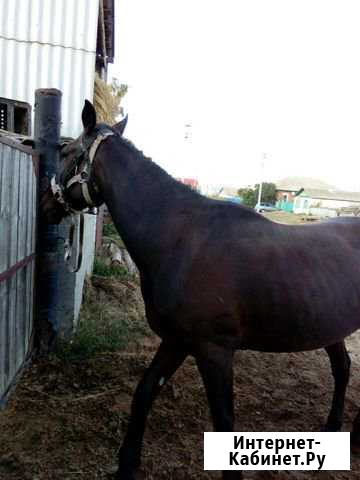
[(82, 177), (96, 143), (69, 244), (92, 152)]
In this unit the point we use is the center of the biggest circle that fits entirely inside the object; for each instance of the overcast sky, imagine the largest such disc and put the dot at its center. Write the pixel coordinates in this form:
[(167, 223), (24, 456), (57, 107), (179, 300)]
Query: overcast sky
[(280, 77)]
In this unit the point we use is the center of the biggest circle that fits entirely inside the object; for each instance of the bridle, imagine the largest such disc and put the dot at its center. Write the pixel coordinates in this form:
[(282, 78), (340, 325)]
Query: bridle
[(79, 173), (81, 169)]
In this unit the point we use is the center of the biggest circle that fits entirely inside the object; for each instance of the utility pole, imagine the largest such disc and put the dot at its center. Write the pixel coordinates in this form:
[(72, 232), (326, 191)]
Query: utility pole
[(47, 141), (187, 148), (261, 178)]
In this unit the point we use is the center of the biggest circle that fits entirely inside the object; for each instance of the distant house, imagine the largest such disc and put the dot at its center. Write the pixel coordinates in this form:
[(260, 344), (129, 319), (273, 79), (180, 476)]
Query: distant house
[(287, 189), (190, 182), (326, 203)]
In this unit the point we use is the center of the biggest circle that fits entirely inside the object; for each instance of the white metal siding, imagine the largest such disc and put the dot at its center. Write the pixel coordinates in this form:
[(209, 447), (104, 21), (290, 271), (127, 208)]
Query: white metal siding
[(52, 44), (49, 44)]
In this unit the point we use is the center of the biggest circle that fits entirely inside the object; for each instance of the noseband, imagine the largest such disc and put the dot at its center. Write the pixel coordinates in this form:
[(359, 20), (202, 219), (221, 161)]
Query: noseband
[(81, 166)]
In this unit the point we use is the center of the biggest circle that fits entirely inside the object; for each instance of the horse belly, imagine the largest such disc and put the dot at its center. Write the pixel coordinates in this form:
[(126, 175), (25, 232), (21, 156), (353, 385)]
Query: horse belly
[(281, 305), (303, 318)]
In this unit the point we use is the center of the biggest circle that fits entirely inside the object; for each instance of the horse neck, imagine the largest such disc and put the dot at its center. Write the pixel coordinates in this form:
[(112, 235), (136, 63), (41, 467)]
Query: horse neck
[(142, 200)]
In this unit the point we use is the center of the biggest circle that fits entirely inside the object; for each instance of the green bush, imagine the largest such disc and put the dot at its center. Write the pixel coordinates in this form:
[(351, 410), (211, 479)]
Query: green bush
[(93, 336), (109, 229), (104, 270)]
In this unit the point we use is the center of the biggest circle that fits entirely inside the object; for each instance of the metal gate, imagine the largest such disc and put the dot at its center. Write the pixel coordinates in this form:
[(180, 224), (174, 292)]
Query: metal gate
[(18, 218)]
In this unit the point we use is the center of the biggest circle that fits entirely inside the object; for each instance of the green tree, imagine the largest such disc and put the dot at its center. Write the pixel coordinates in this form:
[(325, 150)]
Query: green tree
[(250, 195), (268, 192)]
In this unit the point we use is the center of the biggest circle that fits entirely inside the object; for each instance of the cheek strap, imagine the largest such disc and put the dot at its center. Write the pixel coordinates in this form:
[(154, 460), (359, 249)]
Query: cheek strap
[(81, 178)]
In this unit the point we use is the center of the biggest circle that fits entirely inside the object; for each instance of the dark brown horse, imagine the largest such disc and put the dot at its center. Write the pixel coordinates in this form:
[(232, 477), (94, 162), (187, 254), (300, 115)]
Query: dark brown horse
[(215, 276)]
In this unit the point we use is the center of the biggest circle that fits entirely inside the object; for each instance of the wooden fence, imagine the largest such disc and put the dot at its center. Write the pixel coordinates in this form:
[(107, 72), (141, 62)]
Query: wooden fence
[(18, 219)]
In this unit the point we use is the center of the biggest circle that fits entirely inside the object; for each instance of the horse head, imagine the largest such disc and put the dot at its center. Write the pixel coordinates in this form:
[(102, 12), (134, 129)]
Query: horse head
[(73, 189)]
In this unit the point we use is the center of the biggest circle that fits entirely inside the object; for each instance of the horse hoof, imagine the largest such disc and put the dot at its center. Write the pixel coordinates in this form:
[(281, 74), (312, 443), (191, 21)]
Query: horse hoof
[(115, 474), (355, 443), (331, 428), (123, 476), (232, 475), (355, 450)]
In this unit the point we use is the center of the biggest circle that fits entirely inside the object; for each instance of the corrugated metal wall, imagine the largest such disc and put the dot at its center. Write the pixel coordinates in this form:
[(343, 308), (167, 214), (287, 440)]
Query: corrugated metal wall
[(52, 44), (18, 207), (49, 44)]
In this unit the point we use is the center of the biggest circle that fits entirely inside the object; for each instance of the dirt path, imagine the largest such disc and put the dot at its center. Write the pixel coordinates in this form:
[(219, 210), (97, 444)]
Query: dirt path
[(65, 420)]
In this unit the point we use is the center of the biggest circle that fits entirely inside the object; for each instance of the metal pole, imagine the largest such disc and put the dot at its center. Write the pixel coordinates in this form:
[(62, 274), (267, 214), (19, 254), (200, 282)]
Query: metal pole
[(261, 180), (47, 140)]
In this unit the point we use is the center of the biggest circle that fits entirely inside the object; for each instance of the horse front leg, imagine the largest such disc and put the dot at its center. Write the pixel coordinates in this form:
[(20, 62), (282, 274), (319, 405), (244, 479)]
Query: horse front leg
[(340, 366), (215, 365), (167, 360)]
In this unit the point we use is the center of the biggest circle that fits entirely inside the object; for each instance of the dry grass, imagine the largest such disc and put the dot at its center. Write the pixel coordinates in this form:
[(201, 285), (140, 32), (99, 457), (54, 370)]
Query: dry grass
[(112, 314), (107, 99), (285, 217)]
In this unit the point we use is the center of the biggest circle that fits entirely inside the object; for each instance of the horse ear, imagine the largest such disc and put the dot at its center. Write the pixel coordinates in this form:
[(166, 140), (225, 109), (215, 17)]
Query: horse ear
[(120, 127), (88, 117)]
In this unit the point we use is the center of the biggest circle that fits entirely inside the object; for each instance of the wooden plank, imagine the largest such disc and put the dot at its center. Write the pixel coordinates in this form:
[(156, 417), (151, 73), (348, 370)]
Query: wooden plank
[(5, 191), (3, 338), (13, 250), (29, 294), (16, 145), (4, 203), (21, 299), (10, 272)]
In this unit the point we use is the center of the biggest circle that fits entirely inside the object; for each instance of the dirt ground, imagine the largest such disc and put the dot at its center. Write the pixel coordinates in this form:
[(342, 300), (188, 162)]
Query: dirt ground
[(66, 418)]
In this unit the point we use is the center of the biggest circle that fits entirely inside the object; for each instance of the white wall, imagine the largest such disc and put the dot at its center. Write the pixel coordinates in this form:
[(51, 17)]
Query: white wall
[(320, 207), (52, 44), (49, 44)]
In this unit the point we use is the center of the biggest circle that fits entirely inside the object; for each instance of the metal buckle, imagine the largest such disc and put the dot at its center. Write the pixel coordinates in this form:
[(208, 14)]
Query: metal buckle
[(57, 190)]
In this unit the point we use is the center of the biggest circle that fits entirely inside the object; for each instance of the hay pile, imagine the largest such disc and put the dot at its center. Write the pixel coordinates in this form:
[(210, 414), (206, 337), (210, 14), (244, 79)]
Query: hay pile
[(116, 300), (107, 100)]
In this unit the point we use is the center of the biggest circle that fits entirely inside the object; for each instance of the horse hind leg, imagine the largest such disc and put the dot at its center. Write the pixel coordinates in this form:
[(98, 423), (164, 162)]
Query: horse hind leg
[(355, 435), (215, 365), (340, 367)]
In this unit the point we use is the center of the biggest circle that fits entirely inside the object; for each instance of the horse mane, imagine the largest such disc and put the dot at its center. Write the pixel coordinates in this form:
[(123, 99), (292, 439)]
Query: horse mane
[(152, 169), (153, 172)]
